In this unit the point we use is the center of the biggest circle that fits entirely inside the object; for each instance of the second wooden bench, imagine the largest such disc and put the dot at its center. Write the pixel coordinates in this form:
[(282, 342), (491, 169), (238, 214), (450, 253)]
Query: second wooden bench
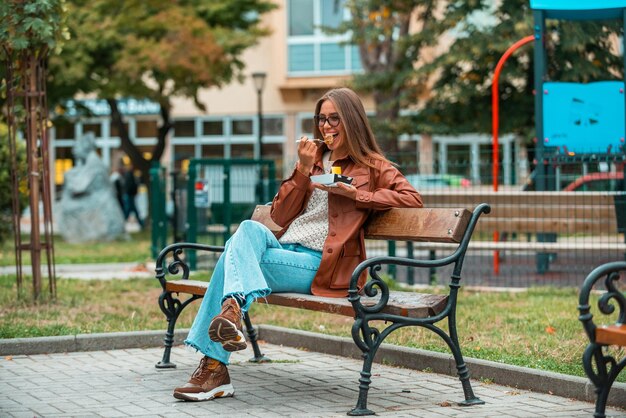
[(601, 366)]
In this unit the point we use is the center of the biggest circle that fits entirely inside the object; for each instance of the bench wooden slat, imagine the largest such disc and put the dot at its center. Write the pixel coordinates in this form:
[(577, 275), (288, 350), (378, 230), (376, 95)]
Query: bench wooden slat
[(408, 304), (611, 335), (423, 224), (193, 287), (406, 224)]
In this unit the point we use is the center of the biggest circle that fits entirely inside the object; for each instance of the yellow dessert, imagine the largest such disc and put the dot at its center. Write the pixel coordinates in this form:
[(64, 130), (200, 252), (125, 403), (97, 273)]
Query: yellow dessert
[(335, 170), (328, 139)]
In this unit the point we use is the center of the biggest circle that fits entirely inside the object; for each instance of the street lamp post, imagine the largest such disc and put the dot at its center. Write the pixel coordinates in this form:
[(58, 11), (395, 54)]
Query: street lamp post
[(259, 83)]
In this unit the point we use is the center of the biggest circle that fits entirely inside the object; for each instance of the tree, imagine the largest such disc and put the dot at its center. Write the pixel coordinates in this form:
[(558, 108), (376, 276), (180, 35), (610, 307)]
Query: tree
[(29, 29), (149, 49), (393, 37), (461, 96)]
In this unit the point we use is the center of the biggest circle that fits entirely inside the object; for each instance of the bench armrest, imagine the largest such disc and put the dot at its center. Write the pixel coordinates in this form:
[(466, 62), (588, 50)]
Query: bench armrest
[(374, 265), (178, 263), (611, 273)]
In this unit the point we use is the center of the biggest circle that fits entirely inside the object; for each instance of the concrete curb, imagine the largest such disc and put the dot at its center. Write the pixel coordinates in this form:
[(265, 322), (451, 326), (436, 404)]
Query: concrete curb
[(517, 377), (86, 342)]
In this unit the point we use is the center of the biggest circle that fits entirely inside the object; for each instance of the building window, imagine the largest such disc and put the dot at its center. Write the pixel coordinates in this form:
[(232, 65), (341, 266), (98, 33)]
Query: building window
[(212, 127), (311, 51), (301, 58), (146, 128), (242, 151), (242, 127), (184, 128), (306, 125), (95, 128), (212, 151), (63, 130), (301, 17), (273, 126)]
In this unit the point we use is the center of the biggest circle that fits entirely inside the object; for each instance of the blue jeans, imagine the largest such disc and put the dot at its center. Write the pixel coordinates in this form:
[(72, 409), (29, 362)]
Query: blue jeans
[(253, 265)]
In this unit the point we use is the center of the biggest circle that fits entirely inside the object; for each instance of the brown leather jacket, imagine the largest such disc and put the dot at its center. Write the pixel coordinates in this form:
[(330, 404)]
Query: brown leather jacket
[(378, 189)]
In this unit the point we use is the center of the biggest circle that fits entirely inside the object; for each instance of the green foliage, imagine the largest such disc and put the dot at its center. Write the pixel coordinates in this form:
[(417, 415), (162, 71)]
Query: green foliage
[(6, 183), (461, 102), (393, 36), (153, 50), (31, 24)]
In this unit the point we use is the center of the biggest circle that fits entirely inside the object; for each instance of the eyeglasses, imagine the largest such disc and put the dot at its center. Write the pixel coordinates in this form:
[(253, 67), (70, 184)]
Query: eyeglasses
[(333, 120)]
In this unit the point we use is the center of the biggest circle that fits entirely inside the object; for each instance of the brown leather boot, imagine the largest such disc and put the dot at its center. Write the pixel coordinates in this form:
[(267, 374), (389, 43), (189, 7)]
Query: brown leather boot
[(209, 381), (226, 327)]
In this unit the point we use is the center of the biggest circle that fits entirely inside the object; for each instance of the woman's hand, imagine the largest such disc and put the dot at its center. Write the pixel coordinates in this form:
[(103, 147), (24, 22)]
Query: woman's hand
[(339, 188), (307, 150)]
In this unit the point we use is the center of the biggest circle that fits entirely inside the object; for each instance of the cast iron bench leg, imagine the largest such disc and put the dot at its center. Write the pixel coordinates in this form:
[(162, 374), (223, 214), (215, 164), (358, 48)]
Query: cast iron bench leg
[(461, 367), (364, 384), (171, 307), (600, 377), (252, 335)]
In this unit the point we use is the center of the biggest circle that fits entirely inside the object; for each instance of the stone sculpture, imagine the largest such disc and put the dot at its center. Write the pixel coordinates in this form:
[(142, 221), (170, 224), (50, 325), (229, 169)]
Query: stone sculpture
[(88, 209)]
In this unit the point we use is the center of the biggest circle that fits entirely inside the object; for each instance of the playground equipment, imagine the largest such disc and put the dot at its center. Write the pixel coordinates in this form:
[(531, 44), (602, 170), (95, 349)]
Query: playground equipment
[(575, 123)]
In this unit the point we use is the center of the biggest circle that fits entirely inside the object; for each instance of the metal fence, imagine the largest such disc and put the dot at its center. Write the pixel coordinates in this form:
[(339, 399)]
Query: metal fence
[(547, 231)]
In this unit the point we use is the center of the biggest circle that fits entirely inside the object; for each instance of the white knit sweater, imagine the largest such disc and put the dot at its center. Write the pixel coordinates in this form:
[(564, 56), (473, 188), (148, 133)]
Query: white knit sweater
[(311, 228)]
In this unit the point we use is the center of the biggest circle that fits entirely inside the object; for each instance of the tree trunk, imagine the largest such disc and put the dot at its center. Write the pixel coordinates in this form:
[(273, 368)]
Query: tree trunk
[(137, 160), (387, 111)]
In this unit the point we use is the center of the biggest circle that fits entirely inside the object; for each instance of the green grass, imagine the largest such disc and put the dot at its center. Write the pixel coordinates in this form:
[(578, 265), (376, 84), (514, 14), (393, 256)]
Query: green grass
[(538, 328), (134, 249)]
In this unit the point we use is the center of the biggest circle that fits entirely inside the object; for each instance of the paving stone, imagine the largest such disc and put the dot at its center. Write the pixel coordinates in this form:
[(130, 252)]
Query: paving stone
[(120, 383)]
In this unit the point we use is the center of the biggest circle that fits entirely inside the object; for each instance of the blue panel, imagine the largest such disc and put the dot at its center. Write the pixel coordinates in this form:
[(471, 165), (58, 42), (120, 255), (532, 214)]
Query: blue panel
[(333, 57), (579, 9), (584, 117), (300, 58)]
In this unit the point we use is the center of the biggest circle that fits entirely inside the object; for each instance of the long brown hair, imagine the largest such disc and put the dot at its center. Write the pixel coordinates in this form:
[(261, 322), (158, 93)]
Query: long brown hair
[(360, 140)]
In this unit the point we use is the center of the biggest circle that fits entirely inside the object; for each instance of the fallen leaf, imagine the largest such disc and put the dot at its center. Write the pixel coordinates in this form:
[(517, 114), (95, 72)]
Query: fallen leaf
[(444, 404), (550, 330), (8, 358), (139, 267)]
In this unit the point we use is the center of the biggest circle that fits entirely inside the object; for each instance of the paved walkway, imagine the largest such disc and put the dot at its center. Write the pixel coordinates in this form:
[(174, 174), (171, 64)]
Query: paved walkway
[(122, 383)]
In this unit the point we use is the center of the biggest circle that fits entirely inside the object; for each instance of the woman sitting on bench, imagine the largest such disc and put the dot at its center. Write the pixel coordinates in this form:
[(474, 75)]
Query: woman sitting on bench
[(319, 246)]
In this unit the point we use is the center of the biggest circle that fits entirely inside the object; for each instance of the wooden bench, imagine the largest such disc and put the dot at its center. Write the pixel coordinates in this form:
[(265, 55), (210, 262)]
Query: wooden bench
[(607, 368), (542, 222), (373, 306)]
